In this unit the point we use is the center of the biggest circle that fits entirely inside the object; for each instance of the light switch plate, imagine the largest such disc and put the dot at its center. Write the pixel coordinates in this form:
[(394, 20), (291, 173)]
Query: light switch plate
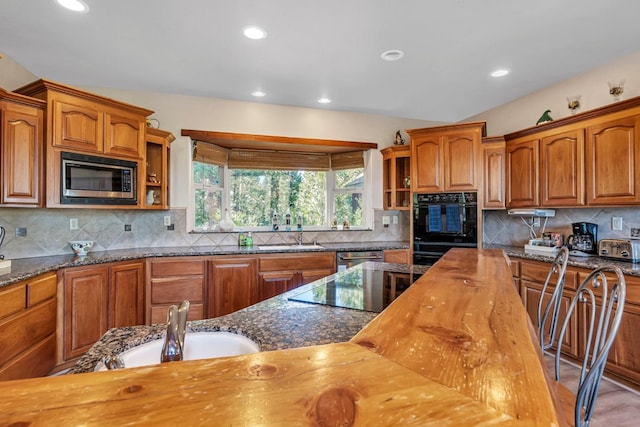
[(386, 220), (167, 220), (73, 223), (616, 223)]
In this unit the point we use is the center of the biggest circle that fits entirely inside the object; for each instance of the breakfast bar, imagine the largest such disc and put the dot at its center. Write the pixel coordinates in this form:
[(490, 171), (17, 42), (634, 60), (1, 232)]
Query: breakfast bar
[(456, 348)]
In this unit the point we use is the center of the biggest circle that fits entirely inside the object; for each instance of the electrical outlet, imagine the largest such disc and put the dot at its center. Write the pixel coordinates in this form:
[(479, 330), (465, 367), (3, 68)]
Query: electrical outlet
[(167, 220), (21, 231), (616, 223), (73, 223), (127, 227)]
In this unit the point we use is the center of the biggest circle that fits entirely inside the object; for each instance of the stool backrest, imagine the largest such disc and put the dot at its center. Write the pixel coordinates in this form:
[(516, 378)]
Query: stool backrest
[(548, 313), (601, 297)]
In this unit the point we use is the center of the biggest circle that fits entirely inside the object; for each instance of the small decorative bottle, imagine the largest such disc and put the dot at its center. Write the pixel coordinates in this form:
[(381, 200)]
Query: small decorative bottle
[(299, 222), (287, 220), (274, 221), (334, 222), (345, 224)]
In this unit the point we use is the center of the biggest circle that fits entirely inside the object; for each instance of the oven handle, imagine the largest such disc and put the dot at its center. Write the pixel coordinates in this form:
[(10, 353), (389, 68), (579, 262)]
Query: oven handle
[(350, 258)]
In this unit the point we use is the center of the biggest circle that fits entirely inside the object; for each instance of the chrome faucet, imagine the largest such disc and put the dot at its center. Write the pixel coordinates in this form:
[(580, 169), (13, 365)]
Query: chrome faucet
[(173, 347), (297, 238)]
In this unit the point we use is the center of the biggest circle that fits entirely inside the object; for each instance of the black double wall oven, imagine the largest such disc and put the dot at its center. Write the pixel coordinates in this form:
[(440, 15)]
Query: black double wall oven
[(443, 221)]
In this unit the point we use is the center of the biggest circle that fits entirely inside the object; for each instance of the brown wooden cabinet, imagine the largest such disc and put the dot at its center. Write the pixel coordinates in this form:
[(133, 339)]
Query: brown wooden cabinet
[(562, 169), (590, 159), (446, 158), (522, 169), (156, 172), (398, 256), (613, 162), (396, 171), (624, 358), (21, 149), (279, 273), (232, 283), (82, 122), (96, 298), (28, 328), (172, 280), (493, 168)]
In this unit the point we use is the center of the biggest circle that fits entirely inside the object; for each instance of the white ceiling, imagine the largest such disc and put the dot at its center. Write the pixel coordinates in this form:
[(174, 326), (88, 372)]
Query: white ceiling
[(327, 48)]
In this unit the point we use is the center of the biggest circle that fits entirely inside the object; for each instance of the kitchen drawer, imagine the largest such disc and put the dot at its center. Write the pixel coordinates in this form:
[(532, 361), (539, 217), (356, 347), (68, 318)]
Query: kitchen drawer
[(632, 284), (281, 262), (159, 313), (538, 271), (20, 332), (172, 290), (176, 267), (12, 299), (41, 289), (37, 361)]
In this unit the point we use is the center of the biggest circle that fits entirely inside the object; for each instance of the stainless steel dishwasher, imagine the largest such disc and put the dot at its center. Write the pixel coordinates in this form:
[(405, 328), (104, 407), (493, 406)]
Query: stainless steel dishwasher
[(345, 260)]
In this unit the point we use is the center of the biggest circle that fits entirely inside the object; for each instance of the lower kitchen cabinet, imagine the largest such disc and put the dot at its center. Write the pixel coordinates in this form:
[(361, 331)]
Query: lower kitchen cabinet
[(172, 280), (624, 358), (232, 284), (28, 328), (96, 298), (279, 273)]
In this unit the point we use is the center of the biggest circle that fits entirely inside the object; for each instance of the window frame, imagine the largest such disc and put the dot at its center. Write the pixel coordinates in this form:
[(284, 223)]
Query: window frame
[(330, 192)]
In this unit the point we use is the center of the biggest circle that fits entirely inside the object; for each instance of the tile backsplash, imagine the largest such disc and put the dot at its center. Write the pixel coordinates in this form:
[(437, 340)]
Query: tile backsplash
[(48, 233), (503, 229)]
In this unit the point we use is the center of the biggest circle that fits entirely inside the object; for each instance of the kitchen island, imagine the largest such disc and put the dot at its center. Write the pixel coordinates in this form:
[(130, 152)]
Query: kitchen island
[(456, 348)]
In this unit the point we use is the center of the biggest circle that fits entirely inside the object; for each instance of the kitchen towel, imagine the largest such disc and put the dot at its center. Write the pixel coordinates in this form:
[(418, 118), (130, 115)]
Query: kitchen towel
[(435, 218), (453, 218)]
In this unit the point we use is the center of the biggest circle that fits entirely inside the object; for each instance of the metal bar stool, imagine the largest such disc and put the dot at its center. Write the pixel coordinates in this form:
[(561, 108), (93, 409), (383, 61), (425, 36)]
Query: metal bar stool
[(601, 298), (550, 314)]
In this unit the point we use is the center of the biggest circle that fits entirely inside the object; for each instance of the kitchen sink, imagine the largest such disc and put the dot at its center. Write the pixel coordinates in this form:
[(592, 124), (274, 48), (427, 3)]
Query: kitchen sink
[(288, 247), (197, 345)]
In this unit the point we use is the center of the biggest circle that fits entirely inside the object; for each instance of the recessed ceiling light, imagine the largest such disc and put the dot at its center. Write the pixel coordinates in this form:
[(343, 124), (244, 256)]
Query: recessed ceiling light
[(254, 33), (74, 5), (258, 93), (500, 72), (392, 55), (324, 100)]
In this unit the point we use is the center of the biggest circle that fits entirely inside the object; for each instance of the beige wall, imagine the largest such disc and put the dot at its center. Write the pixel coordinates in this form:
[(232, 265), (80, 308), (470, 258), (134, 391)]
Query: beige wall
[(592, 86), (13, 75)]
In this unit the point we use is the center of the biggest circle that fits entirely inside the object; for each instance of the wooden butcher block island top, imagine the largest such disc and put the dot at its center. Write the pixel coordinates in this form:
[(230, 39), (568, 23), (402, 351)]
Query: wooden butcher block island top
[(454, 349)]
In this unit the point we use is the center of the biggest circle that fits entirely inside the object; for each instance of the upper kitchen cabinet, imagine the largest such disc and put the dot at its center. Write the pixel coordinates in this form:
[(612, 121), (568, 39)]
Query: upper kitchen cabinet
[(156, 186), (446, 158), (522, 186), (84, 123), (396, 165), (493, 168), (21, 150), (590, 159), (613, 167)]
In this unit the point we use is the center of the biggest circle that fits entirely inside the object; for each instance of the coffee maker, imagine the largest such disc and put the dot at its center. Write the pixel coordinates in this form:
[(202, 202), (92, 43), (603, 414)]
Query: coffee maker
[(584, 238)]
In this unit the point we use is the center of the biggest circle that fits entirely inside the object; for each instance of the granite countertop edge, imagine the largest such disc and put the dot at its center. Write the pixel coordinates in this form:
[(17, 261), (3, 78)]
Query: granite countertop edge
[(26, 268), (589, 262)]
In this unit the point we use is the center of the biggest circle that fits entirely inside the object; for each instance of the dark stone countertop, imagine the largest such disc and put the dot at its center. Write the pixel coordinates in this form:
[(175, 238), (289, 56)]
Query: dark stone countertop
[(275, 324), (26, 268), (589, 262)]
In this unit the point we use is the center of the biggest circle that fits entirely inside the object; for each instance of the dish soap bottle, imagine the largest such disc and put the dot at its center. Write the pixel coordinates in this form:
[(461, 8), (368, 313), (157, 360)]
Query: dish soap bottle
[(287, 220), (249, 240)]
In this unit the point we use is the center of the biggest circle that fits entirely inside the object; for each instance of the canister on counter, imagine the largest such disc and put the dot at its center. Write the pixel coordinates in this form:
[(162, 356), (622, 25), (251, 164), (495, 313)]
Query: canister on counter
[(557, 238)]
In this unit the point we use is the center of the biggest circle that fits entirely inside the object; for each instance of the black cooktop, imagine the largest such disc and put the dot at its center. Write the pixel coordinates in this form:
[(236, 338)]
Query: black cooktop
[(358, 288)]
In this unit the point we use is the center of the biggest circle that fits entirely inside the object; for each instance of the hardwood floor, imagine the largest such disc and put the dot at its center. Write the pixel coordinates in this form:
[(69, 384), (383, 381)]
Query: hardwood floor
[(616, 406)]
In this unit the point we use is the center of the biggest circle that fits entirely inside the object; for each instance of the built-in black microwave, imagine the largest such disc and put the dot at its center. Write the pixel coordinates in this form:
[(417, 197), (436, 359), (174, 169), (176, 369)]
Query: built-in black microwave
[(92, 180)]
